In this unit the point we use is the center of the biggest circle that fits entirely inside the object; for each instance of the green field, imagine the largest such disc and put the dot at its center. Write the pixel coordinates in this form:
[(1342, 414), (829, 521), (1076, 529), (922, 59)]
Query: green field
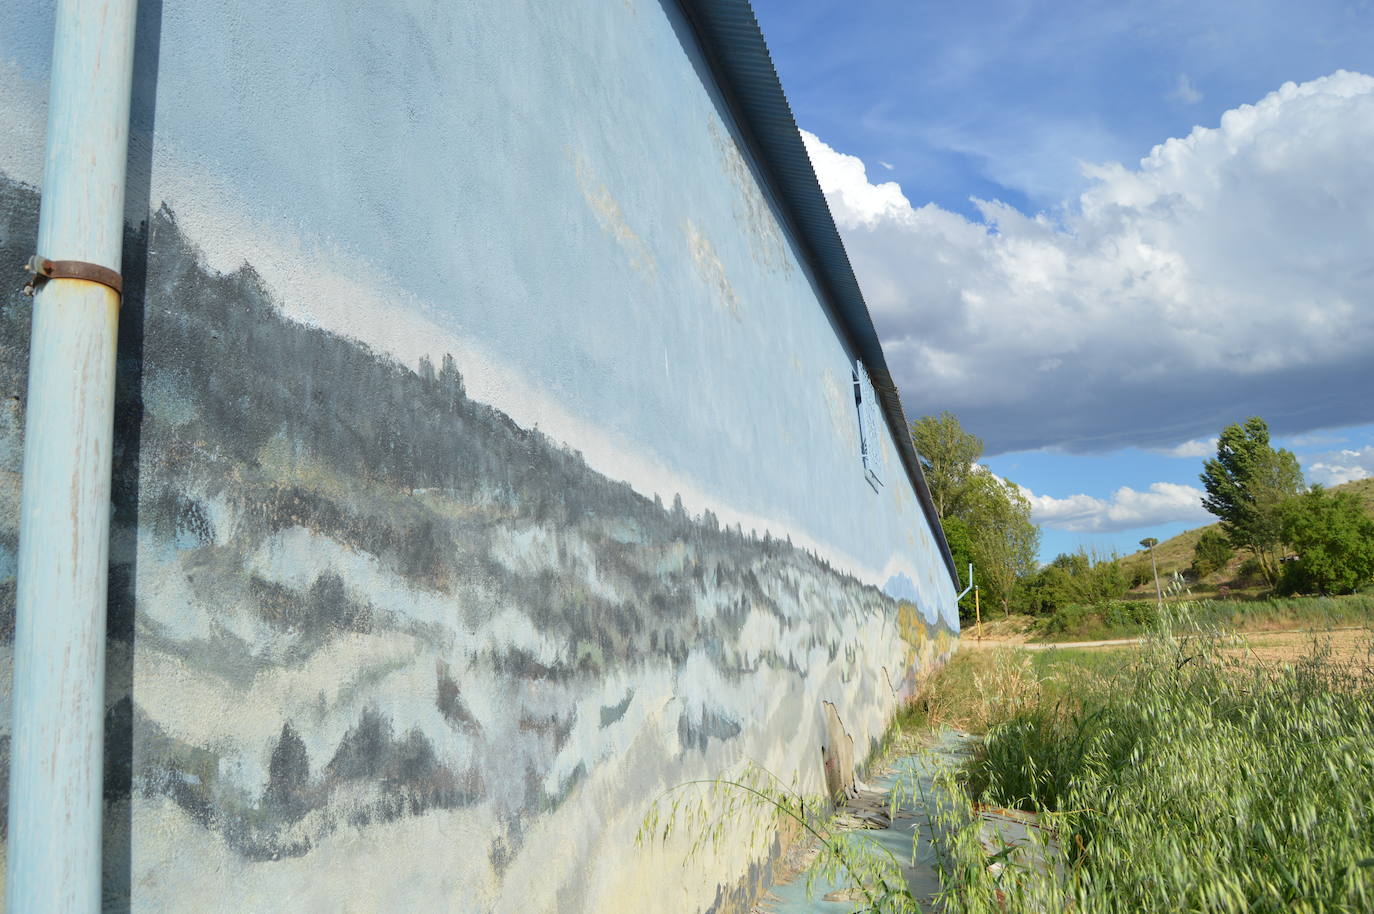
[(1179, 775), (1130, 619)]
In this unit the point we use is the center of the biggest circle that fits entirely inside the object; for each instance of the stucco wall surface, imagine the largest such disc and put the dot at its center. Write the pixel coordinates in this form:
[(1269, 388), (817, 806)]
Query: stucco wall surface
[(486, 463)]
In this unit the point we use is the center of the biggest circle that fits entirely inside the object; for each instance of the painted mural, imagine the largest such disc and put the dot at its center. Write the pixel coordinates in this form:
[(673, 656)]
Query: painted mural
[(373, 645)]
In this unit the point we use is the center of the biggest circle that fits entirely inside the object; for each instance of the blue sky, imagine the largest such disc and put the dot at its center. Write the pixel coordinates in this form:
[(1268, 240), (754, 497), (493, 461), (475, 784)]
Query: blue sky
[(1098, 232), (1330, 456), (999, 99)]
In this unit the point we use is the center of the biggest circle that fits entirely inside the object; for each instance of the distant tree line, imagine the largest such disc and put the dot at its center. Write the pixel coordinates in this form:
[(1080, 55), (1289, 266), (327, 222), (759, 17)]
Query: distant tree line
[(1296, 538), (1073, 579), (987, 521)]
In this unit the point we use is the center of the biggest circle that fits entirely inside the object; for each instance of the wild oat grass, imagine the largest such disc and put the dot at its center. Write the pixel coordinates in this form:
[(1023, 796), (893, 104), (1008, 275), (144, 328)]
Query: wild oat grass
[(1189, 781), (1180, 775), (1128, 618), (707, 809), (976, 689)]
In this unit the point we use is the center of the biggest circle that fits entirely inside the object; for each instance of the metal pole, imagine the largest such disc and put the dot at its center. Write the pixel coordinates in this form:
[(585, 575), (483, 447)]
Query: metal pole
[(970, 584), (59, 649), (1159, 595), (978, 614)]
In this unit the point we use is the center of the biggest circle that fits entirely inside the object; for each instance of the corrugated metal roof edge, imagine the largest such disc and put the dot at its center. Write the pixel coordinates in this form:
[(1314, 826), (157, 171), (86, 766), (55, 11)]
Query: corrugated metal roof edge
[(735, 50)]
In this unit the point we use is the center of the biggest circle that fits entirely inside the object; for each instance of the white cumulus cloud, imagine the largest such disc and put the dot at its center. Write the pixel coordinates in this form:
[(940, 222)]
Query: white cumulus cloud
[(1162, 503), (1198, 447), (1227, 274), (1337, 467)]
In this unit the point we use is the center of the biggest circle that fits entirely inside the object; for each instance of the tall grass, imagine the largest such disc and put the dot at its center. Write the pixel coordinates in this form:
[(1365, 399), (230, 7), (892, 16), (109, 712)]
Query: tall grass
[(980, 688), (1189, 781), (1127, 618), (753, 806)]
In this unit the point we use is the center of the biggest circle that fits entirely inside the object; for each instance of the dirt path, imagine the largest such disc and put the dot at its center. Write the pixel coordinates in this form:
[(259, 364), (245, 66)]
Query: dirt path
[(1051, 645)]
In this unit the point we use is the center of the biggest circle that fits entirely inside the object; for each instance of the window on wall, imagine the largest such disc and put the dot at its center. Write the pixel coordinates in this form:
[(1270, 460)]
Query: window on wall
[(870, 425)]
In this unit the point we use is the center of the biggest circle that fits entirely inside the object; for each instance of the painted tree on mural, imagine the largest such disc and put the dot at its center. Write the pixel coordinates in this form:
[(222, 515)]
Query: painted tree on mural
[(414, 529)]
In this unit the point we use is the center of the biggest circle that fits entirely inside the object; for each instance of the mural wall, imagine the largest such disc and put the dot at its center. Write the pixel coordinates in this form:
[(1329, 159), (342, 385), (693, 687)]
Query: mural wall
[(485, 464)]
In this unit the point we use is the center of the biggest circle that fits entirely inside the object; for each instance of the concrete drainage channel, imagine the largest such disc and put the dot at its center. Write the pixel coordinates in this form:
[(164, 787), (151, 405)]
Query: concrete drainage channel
[(909, 833), (909, 829)]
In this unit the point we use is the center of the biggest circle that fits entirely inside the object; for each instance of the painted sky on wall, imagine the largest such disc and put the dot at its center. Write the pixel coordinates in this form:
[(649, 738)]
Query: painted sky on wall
[(551, 261), (1100, 232)]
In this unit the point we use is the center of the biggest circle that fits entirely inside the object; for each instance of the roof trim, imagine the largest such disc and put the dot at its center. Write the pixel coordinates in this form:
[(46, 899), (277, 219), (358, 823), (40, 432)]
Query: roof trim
[(735, 50)]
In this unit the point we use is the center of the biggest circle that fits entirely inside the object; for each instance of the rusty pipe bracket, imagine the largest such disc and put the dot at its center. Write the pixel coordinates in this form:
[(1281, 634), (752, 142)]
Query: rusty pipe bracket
[(43, 269)]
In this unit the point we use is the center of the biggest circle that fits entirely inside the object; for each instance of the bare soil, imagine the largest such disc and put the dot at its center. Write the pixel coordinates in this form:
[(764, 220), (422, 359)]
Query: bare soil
[(1347, 645)]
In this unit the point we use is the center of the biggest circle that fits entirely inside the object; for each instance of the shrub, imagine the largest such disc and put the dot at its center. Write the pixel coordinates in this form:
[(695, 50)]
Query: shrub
[(1250, 571), (1212, 552), (1125, 613), (1067, 619), (1334, 542), (1075, 577)]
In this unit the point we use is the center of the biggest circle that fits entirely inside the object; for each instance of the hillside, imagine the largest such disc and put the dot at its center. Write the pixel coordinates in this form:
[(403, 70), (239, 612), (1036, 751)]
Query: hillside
[(1176, 554)]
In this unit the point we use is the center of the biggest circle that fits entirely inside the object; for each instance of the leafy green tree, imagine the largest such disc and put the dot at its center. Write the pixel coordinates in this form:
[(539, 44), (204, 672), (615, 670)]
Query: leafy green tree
[(1211, 553), (960, 540), (988, 518), (1073, 578), (1043, 592), (1334, 542), (1109, 580), (1247, 484), (1005, 541), (949, 456)]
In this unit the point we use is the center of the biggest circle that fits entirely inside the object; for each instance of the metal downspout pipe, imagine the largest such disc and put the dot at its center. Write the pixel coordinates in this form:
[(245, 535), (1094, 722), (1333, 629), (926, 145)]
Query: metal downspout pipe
[(965, 591), (57, 747)]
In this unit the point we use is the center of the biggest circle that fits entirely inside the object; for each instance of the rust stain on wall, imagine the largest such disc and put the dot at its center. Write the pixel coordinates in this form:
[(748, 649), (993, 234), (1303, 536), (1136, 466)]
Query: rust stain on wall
[(712, 271), (837, 755), (612, 217), (767, 245)]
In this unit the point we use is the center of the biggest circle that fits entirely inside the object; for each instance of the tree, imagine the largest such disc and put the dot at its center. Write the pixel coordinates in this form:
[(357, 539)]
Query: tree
[(948, 457), (1073, 578), (288, 776), (1334, 542), (1247, 484), (985, 517), (1211, 553), (1004, 539), (960, 540)]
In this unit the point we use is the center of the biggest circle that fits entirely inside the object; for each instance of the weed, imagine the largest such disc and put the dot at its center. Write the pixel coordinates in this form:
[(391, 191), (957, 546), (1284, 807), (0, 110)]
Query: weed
[(1128, 618), (1187, 780), (707, 808)]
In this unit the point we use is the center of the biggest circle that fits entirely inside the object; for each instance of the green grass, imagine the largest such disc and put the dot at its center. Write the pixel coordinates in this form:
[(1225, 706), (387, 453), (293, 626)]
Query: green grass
[(978, 688), (1062, 670), (1131, 619), (1176, 778)]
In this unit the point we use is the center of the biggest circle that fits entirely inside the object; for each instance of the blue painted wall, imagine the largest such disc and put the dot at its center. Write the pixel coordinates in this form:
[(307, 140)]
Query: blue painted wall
[(487, 460)]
